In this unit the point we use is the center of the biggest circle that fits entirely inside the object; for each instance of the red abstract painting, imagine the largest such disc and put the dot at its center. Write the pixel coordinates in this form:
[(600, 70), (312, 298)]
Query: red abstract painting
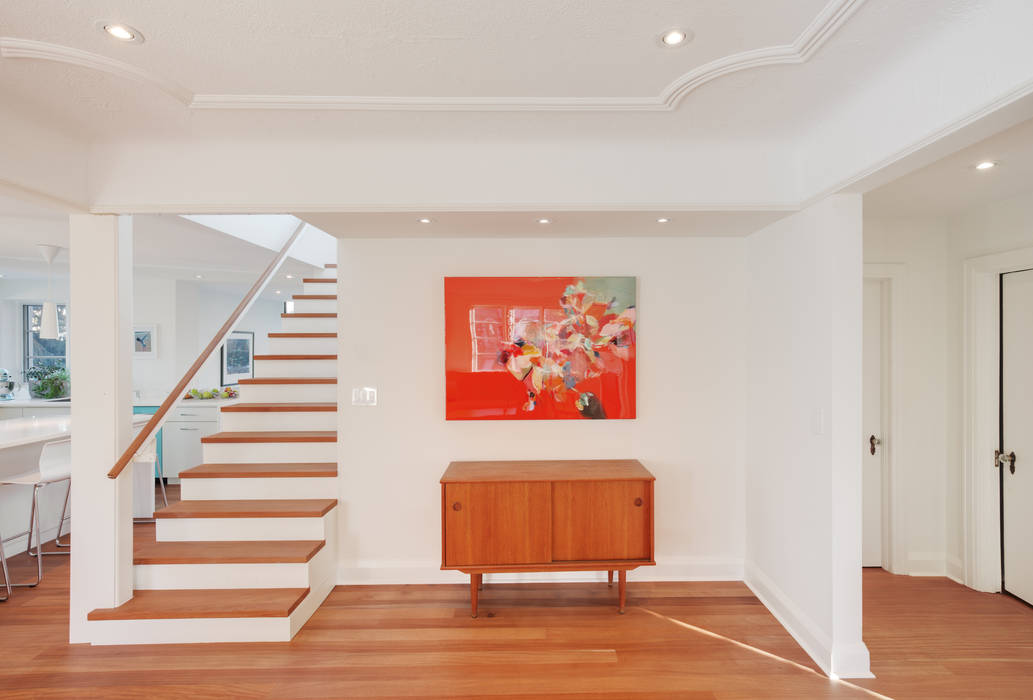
[(539, 348)]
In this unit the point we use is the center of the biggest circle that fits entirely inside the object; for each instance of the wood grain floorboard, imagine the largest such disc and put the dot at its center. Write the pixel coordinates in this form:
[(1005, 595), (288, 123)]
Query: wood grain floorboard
[(929, 638)]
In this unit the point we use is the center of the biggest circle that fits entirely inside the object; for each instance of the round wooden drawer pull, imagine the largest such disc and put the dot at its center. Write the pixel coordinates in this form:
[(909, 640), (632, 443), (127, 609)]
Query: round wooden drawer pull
[(457, 506), (638, 501)]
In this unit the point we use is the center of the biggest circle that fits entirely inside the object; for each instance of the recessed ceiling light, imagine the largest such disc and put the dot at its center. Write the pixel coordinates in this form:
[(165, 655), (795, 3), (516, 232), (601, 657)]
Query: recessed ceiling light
[(277, 291), (290, 277), (122, 32), (544, 221), (200, 277), (986, 165), (424, 221), (663, 220), (675, 37)]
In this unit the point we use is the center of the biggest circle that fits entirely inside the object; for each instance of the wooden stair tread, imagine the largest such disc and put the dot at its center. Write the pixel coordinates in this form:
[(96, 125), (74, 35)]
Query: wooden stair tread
[(288, 334), (213, 603), (277, 508), (235, 552), (310, 315), (295, 357), (258, 470), (271, 436), (322, 297), (312, 407), (330, 266), (289, 380), (319, 280)]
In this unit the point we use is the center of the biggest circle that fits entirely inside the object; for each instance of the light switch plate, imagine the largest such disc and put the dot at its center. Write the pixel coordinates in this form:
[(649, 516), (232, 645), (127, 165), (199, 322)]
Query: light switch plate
[(364, 396)]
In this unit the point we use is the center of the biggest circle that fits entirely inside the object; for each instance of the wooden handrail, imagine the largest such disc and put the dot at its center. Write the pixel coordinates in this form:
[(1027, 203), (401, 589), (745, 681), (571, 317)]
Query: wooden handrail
[(172, 399)]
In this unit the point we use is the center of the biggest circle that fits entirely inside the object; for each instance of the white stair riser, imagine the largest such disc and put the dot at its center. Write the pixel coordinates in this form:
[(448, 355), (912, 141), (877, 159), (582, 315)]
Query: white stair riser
[(296, 368), (287, 393), (210, 630), (264, 488), (239, 529), (237, 452), (323, 576), (303, 346), (309, 325), (320, 288), (315, 306), (158, 577), (233, 421)]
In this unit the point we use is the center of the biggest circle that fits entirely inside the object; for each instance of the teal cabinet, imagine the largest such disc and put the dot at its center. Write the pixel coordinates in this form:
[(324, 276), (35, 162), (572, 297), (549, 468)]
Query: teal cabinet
[(150, 411)]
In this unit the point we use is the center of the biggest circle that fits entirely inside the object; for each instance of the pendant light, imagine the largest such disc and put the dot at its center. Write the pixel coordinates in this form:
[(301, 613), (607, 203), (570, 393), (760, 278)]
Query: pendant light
[(48, 319)]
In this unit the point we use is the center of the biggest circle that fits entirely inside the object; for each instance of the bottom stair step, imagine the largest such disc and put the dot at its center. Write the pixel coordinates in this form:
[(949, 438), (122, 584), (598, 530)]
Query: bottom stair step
[(208, 603)]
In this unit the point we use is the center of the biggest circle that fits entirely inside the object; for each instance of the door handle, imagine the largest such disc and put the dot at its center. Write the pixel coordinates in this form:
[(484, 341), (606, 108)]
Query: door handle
[(872, 443), (1008, 459)]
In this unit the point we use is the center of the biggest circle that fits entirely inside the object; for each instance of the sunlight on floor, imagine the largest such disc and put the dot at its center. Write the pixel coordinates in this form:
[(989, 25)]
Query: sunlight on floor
[(755, 650)]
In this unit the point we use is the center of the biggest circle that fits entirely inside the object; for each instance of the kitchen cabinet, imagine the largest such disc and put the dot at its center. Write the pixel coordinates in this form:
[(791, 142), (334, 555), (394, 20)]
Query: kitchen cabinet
[(181, 437)]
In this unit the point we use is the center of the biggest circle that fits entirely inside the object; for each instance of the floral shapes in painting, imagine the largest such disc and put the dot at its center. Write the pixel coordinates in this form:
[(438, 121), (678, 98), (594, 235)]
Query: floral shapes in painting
[(526, 348)]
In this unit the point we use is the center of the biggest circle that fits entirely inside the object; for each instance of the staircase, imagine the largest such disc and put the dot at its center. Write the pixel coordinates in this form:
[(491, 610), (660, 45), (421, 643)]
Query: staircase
[(250, 551)]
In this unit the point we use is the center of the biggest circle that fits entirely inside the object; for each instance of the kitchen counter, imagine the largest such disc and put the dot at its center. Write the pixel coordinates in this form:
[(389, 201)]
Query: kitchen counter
[(25, 431), (154, 401)]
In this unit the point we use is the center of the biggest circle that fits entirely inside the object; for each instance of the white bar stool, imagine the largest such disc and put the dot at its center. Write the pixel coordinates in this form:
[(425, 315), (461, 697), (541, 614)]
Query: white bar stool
[(55, 465), (3, 565)]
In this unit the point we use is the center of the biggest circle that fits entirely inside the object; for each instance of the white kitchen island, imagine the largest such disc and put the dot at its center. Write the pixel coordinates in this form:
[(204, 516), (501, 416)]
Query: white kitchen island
[(21, 440)]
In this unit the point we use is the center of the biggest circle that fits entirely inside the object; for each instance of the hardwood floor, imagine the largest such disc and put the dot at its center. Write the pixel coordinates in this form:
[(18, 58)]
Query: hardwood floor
[(929, 638)]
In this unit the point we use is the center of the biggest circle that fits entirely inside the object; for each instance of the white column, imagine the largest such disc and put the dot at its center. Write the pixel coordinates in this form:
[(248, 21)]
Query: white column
[(100, 320)]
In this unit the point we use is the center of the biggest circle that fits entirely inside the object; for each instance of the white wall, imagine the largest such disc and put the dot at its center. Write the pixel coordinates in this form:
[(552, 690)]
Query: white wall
[(691, 387), (803, 459), (188, 314)]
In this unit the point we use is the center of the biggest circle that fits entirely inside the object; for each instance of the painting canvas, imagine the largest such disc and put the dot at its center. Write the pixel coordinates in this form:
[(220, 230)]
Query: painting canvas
[(238, 357), (540, 348)]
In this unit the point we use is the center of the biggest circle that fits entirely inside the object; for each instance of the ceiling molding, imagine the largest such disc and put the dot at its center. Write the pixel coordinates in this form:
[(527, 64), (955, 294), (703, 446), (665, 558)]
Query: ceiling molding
[(832, 16), (40, 50), (430, 208)]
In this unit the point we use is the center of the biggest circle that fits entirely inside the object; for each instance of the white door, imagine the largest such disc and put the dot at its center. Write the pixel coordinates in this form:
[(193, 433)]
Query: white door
[(872, 422), (1017, 432)]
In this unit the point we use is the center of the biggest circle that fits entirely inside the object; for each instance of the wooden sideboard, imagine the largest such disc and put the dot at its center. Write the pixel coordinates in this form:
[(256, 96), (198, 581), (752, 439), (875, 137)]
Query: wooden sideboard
[(561, 515)]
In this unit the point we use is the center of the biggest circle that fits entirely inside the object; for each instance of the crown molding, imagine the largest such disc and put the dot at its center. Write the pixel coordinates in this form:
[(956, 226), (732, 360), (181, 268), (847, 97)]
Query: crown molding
[(40, 50), (832, 16)]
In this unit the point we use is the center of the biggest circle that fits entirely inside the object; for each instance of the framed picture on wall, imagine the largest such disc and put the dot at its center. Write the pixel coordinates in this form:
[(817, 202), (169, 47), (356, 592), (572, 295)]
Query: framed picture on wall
[(540, 348), (145, 341), (238, 357)]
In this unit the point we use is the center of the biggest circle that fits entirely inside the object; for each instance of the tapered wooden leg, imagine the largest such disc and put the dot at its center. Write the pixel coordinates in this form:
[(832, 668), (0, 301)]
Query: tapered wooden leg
[(609, 578), (475, 580), (622, 580), (480, 582)]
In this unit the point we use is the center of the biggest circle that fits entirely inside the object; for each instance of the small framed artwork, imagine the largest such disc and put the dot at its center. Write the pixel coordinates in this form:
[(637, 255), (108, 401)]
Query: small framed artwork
[(145, 341), (238, 357)]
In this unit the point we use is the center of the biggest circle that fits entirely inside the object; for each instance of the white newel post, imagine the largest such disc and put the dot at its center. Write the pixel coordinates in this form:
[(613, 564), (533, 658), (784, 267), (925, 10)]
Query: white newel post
[(101, 317)]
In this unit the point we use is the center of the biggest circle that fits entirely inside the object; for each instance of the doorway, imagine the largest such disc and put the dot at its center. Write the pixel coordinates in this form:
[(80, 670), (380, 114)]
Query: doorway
[(1015, 452), (875, 410)]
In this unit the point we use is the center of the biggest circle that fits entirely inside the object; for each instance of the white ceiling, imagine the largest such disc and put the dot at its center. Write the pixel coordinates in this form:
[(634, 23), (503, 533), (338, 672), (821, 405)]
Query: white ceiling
[(952, 184), (164, 246), (753, 69), (561, 224)]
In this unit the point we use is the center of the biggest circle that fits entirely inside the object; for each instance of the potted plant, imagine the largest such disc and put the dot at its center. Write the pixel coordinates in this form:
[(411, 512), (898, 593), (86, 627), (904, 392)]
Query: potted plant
[(48, 382)]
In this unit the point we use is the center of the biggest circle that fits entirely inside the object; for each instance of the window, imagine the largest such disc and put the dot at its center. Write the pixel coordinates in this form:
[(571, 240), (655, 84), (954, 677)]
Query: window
[(39, 351), (491, 326)]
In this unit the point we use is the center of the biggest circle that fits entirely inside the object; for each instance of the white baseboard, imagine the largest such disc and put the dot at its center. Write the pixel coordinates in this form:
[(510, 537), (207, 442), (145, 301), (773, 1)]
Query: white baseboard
[(17, 544), (800, 626), (848, 660), (955, 570), (926, 564), (381, 572)]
